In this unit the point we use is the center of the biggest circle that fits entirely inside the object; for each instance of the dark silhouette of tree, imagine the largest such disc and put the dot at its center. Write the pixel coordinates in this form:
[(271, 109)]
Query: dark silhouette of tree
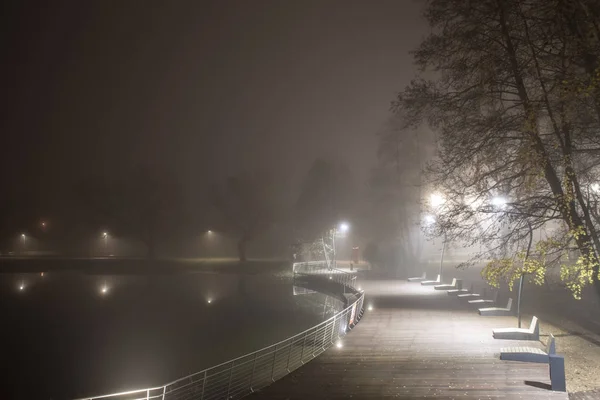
[(247, 206), (141, 205), (325, 199)]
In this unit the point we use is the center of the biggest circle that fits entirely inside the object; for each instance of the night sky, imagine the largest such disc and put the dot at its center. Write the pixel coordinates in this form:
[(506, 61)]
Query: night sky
[(202, 88)]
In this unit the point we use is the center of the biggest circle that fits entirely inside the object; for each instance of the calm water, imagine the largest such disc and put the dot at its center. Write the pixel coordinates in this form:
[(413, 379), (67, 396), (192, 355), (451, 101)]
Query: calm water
[(69, 334)]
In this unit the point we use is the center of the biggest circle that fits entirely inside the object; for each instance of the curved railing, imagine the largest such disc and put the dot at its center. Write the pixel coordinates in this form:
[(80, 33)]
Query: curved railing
[(242, 376)]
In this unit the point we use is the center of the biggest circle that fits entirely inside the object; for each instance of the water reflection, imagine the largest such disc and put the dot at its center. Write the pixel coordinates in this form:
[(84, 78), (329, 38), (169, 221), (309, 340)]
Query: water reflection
[(121, 332)]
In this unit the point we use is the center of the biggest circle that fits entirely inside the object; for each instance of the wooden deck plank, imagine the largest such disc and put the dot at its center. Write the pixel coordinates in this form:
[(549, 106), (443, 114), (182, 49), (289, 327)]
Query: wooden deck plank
[(416, 343)]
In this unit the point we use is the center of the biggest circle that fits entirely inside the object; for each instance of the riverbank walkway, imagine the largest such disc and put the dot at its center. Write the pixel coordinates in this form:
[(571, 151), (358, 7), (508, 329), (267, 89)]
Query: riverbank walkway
[(417, 342)]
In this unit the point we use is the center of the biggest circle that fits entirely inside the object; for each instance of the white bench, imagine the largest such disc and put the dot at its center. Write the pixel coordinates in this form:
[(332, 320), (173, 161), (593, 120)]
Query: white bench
[(532, 333), (457, 292), (497, 311), (446, 286), (529, 354), (472, 295), (485, 301), (418, 278), (431, 283)]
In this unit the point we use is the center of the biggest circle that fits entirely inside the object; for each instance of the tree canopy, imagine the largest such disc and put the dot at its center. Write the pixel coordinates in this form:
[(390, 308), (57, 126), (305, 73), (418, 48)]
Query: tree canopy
[(511, 88)]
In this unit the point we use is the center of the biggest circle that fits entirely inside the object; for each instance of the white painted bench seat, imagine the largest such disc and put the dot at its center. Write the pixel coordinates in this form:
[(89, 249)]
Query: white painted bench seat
[(529, 354), (497, 311), (418, 278), (531, 333), (431, 283)]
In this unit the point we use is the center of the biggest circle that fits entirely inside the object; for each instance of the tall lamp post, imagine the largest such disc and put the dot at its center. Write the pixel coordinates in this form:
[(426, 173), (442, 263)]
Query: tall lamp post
[(24, 240), (436, 201), (430, 220), (502, 203), (342, 228), (105, 237)]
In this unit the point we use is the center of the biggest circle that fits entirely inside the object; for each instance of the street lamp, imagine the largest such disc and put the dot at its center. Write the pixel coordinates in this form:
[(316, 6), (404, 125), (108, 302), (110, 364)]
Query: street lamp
[(429, 221), (24, 239), (105, 237), (501, 203), (436, 200), (342, 227)]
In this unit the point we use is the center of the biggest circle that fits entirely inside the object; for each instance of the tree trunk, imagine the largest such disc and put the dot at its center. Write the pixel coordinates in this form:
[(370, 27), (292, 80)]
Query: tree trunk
[(241, 247)]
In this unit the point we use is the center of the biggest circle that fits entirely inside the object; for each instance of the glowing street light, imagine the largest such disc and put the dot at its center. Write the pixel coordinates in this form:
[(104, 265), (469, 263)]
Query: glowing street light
[(344, 227), (105, 237), (436, 200), (339, 344), (209, 301), (104, 289), (370, 308), (429, 219), (24, 240), (21, 286), (209, 231), (499, 201)]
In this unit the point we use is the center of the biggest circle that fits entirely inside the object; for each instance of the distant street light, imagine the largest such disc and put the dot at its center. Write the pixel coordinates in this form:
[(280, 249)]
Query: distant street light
[(22, 286), (24, 240), (209, 231), (344, 227), (105, 237), (436, 200), (499, 201), (429, 219)]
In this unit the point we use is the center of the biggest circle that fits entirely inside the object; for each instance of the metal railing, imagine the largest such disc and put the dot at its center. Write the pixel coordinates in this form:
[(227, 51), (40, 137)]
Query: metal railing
[(242, 376), (321, 269)]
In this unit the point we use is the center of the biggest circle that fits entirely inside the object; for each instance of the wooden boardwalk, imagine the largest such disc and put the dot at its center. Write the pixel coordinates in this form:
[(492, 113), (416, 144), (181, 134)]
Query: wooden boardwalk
[(417, 342)]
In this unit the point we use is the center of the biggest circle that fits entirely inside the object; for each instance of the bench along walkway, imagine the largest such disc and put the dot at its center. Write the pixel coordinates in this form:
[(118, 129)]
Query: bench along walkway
[(416, 343)]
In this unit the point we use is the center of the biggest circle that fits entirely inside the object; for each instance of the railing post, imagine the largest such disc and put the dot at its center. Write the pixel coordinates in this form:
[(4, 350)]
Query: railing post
[(164, 392), (204, 384), (147, 394), (273, 366), (230, 375), (333, 329), (287, 367), (253, 368), (303, 344)]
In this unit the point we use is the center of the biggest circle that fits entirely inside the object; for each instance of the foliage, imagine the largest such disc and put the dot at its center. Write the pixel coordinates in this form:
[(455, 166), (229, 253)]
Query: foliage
[(516, 104)]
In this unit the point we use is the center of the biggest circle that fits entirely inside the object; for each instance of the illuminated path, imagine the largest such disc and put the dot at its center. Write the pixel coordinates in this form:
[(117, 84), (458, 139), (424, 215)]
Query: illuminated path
[(417, 342)]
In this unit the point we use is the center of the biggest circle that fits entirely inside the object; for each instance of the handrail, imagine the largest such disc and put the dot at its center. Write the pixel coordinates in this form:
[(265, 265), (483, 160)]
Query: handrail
[(243, 375)]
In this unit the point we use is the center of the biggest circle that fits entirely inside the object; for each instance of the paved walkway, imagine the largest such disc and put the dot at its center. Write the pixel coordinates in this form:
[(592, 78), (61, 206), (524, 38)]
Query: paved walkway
[(417, 342)]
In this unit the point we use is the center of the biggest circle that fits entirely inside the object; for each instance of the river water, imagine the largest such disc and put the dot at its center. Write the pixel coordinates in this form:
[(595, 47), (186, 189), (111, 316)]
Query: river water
[(69, 334)]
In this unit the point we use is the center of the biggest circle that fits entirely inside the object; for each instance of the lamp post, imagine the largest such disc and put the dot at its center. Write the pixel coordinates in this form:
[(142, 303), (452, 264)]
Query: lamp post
[(24, 240), (436, 201), (343, 228), (105, 237), (501, 202)]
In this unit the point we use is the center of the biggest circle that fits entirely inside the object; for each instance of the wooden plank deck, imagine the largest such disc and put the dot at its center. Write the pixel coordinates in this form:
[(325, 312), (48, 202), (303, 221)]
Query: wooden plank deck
[(417, 342)]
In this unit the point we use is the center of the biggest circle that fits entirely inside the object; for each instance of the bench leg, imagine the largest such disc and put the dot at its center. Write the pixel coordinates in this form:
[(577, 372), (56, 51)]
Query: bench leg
[(557, 373)]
